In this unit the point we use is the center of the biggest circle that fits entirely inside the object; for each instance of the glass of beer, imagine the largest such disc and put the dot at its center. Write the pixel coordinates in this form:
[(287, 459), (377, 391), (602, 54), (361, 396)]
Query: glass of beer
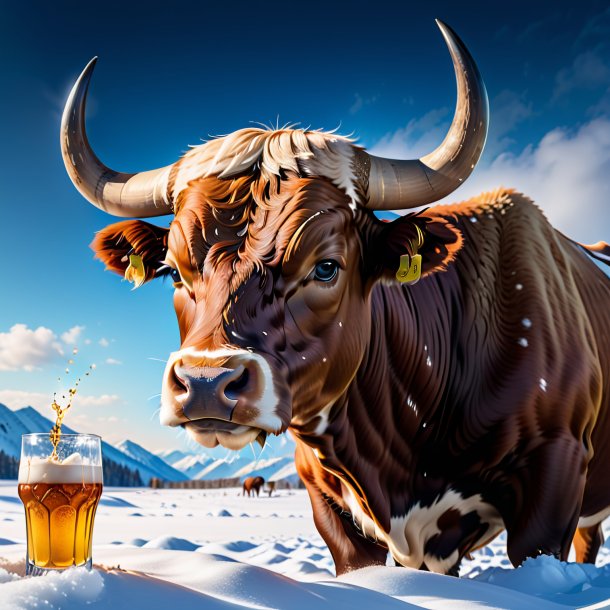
[(60, 489)]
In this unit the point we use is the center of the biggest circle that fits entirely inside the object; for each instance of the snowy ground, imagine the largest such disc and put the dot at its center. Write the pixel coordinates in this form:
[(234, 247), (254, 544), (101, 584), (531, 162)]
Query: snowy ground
[(159, 549)]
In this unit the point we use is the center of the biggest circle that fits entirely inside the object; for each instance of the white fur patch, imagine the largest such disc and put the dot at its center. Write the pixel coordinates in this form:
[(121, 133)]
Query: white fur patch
[(590, 520), (408, 534), (315, 153)]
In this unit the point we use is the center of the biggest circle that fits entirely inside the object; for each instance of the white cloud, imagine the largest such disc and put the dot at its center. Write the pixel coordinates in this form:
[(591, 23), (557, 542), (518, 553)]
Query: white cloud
[(26, 349), (113, 361), (70, 337), (567, 174), (417, 138), (15, 399), (104, 342), (103, 400), (422, 135)]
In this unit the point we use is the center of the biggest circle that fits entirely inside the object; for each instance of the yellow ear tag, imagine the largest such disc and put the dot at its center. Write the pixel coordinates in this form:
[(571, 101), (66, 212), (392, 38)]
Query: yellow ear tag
[(403, 269), (409, 270), (135, 272), (414, 270)]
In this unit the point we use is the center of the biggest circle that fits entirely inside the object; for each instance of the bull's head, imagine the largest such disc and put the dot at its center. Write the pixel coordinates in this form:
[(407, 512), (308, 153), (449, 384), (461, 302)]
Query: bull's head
[(274, 250)]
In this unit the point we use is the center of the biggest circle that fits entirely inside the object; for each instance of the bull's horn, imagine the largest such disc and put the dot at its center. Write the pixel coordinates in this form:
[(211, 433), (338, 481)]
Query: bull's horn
[(139, 195), (395, 184)]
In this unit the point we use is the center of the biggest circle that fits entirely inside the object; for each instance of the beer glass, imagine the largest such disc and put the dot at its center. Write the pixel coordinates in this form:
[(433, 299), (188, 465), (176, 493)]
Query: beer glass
[(60, 494)]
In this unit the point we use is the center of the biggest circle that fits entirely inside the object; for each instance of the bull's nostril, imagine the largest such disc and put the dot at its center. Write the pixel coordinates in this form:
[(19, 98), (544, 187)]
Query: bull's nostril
[(237, 386), (180, 384)]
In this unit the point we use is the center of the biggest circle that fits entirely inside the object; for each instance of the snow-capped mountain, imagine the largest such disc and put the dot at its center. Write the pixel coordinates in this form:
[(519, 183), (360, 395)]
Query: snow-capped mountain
[(264, 468), (35, 422), (193, 465), (151, 461), (172, 465), (11, 429), (201, 466), (288, 472), (222, 469), (27, 420), (171, 456)]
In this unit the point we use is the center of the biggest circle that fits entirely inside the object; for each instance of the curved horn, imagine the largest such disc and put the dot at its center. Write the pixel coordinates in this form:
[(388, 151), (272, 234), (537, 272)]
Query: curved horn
[(128, 195), (395, 184)]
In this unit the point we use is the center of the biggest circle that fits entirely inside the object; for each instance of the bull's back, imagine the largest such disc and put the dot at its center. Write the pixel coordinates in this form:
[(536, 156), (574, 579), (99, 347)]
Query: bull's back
[(531, 334)]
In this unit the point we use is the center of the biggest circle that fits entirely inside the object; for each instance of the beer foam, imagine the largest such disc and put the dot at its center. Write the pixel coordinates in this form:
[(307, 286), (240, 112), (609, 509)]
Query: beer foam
[(71, 470)]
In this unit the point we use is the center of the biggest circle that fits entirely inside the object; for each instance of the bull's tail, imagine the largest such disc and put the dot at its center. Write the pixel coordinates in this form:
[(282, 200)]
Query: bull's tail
[(600, 251)]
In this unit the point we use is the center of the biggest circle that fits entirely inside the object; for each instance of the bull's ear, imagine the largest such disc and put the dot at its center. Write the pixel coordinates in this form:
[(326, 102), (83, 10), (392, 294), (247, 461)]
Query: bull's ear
[(134, 244), (400, 244)]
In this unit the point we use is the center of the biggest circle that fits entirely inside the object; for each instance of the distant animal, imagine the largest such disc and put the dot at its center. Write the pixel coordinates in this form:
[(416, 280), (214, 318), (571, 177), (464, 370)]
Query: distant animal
[(428, 416), (251, 485), (271, 487)]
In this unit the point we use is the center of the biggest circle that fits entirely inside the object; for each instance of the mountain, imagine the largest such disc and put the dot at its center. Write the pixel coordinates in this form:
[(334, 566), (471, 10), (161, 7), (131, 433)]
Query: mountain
[(222, 469), (265, 468), (203, 467), (192, 465), (171, 456), (28, 420), (36, 422), (11, 429), (288, 472), (129, 462), (151, 461)]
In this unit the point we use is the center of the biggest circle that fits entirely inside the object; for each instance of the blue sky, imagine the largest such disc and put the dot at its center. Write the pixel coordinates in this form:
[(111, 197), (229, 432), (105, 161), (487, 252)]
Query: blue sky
[(171, 75)]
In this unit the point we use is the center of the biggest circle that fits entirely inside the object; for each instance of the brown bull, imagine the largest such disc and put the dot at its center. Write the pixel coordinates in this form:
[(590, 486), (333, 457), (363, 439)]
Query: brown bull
[(428, 416), (251, 485)]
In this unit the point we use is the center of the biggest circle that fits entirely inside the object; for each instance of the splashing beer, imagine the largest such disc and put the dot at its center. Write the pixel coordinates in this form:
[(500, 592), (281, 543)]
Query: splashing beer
[(60, 484)]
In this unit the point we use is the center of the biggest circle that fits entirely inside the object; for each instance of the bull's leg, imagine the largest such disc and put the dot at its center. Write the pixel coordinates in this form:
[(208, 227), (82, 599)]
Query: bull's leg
[(349, 550), (547, 507), (587, 541)]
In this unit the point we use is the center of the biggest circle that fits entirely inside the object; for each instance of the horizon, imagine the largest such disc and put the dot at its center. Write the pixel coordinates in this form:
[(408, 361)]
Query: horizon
[(170, 76)]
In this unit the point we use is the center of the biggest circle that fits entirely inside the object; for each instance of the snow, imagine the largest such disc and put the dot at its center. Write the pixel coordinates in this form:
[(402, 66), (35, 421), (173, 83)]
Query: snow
[(216, 549)]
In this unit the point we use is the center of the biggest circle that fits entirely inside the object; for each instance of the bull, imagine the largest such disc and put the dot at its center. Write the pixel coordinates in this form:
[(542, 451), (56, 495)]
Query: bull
[(428, 415), (252, 485)]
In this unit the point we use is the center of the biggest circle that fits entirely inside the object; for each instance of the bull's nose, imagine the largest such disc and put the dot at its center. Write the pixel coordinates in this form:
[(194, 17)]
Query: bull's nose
[(206, 391)]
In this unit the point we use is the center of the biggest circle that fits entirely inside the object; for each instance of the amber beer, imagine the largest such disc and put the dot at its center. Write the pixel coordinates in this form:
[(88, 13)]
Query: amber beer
[(60, 495)]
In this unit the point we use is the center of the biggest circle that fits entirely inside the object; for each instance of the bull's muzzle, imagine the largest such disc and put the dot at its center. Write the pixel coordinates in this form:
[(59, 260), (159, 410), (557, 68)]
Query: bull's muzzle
[(221, 396), (214, 391)]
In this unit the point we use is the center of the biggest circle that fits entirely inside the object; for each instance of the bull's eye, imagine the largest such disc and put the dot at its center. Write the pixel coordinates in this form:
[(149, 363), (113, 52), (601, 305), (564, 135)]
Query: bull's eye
[(326, 270), (175, 275)]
